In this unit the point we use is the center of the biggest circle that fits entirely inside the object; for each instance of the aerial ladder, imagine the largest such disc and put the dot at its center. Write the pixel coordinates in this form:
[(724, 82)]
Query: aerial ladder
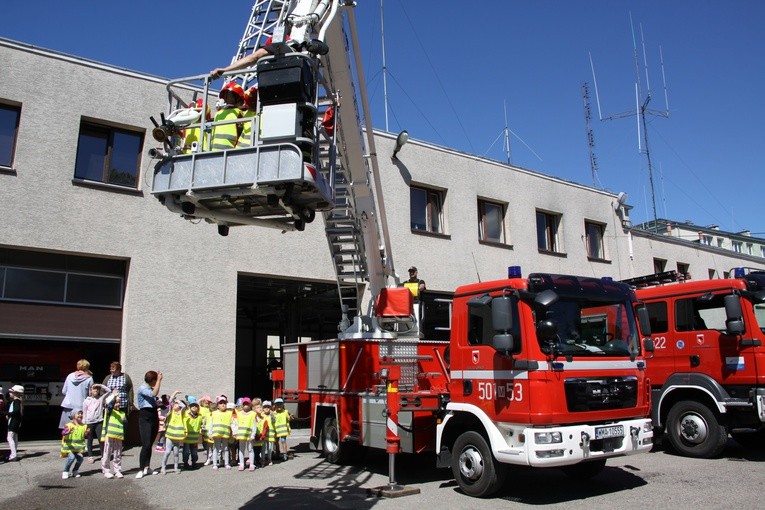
[(308, 154)]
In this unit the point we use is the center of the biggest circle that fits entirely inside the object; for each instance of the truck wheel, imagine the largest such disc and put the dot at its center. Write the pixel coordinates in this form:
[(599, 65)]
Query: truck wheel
[(585, 470), (330, 442), (695, 431), (307, 214), (299, 225), (475, 469)]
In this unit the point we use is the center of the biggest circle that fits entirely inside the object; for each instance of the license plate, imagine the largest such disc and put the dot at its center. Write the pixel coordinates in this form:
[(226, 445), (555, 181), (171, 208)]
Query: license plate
[(609, 432)]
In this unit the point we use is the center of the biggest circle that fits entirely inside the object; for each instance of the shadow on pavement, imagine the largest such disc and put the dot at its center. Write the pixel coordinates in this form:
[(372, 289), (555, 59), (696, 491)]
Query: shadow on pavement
[(316, 499)]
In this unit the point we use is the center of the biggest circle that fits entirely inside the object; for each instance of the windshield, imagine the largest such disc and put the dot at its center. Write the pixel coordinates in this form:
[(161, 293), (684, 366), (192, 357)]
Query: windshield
[(592, 328)]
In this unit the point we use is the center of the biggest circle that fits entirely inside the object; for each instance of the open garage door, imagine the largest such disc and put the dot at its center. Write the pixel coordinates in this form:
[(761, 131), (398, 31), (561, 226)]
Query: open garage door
[(274, 310)]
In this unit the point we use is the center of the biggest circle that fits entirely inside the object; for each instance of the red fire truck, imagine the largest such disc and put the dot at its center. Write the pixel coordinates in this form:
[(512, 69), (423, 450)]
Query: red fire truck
[(708, 370), (540, 371)]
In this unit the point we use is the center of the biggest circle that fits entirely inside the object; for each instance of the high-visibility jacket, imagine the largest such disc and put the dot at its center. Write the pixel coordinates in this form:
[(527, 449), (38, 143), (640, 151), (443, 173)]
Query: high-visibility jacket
[(225, 136), (205, 413), (220, 424), (193, 135), (175, 428), (282, 423), (114, 425), (74, 441), (261, 430), (246, 422), (251, 117), (193, 429)]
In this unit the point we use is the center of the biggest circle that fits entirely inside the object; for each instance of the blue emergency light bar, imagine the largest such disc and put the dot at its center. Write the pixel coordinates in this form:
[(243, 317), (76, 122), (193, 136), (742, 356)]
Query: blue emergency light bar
[(739, 272), (514, 272)]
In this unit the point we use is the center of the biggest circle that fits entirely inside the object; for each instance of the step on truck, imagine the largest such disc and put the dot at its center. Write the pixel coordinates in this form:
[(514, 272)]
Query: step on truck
[(708, 369)]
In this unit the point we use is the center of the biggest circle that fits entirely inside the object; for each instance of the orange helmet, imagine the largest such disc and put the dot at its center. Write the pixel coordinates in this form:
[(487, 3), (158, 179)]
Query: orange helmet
[(233, 87), (251, 97)]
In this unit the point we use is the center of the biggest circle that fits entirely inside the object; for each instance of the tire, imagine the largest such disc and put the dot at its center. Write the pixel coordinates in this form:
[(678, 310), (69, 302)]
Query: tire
[(585, 470), (750, 439), (299, 225), (474, 467), (331, 446), (695, 431), (307, 214)]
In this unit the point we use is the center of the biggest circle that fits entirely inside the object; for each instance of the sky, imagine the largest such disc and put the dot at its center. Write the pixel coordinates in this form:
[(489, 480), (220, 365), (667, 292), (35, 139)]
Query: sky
[(457, 70)]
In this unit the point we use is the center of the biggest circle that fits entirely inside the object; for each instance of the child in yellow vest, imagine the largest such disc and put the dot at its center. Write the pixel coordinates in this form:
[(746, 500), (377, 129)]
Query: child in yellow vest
[(193, 434), (282, 428), (175, 432), (73, 444), (219, 429), (259, 432), (112, 436), (245, 419), (268, 433), (205, 410)]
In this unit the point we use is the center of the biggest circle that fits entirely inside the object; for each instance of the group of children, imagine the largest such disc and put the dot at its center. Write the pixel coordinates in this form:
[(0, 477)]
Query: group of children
[(248, 433)]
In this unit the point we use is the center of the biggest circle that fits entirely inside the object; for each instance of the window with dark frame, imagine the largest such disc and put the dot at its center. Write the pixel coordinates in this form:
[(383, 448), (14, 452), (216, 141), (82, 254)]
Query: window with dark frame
[(108, 155), (9, 130), (491, 221), (594, 235), (547, 231), (426, 210)]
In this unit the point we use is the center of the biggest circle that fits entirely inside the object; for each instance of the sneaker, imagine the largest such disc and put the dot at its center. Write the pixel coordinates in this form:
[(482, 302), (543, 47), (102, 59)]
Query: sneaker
[(284, 457), (91, 460), (241, 468), (215, 468), (163, 470), (208, 462), (176, 470), (65, 475), (160, 448), (118, 475), (139, 474), (108, 475), (228, 467), (252, 468), (75, 474)]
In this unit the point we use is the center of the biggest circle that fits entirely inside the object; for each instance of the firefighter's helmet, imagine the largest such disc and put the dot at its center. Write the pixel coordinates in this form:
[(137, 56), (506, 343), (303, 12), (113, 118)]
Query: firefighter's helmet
[(251, 97), (233, 87)]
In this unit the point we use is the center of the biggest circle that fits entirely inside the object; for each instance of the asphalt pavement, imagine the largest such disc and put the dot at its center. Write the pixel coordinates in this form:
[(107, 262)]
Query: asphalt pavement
[(659, 479)]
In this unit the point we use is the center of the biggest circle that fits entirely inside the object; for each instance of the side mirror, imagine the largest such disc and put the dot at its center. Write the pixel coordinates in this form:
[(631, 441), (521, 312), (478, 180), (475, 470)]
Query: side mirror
[(503, 342), (648, 345), (502, 314), (547, 330), (734, 315), (546, 298), (644, 321)]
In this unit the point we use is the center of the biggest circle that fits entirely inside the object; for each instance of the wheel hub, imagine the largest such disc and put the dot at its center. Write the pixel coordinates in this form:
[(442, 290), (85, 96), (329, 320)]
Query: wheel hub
[(471, 464), (693, 429)]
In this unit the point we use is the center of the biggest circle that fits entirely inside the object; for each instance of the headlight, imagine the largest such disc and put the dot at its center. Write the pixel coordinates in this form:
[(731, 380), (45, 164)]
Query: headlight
[(548, 437), (648, 426)]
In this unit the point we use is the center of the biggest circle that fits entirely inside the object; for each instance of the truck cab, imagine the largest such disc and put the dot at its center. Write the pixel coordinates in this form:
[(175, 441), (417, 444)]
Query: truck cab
[(708, 370)]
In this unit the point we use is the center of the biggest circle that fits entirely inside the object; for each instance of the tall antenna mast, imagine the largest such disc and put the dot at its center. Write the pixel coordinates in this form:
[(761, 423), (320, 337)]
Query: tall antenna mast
[(385, 68), (590, 136), (641, 106), (507, 135)]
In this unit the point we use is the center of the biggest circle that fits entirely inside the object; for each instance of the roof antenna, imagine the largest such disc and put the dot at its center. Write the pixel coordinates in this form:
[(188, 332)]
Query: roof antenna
[(641, 106), (507, 135)]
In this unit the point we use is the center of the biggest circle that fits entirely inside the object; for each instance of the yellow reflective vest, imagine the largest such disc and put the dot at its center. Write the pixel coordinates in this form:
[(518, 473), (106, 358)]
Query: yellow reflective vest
[(114, 425), (74, 441), (246, 422), (205, 413), (282, 423), (175, 427), (245, 139), (220, 424), (193, 428), (225, 136)]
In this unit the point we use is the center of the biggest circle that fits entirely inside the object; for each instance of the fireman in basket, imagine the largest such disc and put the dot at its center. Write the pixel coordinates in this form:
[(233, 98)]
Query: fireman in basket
[(282, 427), (250, 114), (226, 135)]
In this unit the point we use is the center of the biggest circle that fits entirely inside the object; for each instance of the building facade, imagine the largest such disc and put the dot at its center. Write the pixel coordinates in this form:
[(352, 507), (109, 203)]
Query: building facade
[(91, 265)]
